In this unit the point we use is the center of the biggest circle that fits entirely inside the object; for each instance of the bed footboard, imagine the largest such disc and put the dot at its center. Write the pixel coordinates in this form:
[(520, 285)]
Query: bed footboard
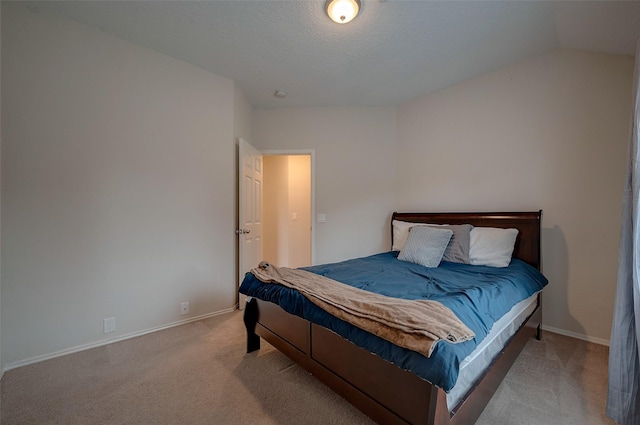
[(364, 379), (369, 382)]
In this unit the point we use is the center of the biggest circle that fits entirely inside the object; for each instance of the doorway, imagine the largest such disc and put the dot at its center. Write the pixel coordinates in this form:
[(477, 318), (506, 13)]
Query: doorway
[(288, 209)]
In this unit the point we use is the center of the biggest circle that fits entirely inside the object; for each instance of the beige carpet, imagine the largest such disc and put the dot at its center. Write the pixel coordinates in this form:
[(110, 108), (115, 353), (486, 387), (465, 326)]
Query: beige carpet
[(199, 374)]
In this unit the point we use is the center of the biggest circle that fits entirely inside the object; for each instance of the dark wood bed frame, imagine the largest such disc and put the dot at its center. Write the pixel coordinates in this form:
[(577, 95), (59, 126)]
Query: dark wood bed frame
[(383, 391)]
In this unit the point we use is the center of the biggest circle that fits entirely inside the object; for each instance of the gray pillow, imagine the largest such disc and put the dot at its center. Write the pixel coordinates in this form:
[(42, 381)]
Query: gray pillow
[(458, 249), (425, 245)]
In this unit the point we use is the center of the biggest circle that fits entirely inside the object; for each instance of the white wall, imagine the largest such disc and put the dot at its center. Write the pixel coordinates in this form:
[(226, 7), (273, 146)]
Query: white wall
[(116, 163), (547, 133), (117, 198), (355, 154), (242, 116)]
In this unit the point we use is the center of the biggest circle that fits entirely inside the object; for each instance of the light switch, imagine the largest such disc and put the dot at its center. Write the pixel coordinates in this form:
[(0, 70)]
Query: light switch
[(321, 218), (294, 216)]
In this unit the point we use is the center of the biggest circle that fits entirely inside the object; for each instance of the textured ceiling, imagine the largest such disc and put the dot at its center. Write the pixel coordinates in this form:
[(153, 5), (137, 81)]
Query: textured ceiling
[(392, 52)]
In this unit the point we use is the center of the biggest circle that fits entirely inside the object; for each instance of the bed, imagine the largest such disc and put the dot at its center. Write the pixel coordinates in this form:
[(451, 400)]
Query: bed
[(388, 391)]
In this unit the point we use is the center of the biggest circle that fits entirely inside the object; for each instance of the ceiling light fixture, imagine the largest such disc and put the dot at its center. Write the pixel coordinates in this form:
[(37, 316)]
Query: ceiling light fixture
[(342, 11)]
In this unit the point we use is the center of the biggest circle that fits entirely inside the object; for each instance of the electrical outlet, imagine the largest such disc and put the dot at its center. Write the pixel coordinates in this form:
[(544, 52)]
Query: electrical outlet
[(109, 325), (184, 308)]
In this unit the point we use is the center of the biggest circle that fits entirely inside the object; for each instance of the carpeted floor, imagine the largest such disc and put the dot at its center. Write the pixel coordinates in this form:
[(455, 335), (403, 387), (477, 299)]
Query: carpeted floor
[(199, 374), (558, 380)]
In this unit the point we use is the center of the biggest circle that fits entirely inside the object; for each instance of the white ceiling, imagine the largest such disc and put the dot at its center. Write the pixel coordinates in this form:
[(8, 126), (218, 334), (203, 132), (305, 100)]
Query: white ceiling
[(395, 50)]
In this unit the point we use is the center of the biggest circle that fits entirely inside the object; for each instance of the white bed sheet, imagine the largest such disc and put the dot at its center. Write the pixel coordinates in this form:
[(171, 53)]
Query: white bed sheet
[(476, 363)]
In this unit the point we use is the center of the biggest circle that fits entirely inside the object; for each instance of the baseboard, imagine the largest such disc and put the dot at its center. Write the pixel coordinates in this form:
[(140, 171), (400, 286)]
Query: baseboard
[(36, 359), (576, 335)]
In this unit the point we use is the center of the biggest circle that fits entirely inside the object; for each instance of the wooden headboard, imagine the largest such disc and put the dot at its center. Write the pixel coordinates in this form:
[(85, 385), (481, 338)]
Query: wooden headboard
[(527, 246)]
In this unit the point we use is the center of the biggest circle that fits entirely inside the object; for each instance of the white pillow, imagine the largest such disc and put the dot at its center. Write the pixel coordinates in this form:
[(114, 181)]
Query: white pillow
[(401, 232), (490, 246), (425, 245)]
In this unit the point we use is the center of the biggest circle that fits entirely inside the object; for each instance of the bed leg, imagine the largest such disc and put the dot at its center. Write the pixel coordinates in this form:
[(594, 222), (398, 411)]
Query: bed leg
[(250, 320), (539, 332)]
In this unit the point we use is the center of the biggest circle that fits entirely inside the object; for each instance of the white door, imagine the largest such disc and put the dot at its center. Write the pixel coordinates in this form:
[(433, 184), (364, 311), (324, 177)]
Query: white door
[(250, 186)]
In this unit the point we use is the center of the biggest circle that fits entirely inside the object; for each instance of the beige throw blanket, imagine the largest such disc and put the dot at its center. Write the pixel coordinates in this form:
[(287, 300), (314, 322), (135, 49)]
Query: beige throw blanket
[(413, 324)]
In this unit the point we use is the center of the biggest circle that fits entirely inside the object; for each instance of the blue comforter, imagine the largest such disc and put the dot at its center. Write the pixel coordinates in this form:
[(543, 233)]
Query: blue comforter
[(478, 295)]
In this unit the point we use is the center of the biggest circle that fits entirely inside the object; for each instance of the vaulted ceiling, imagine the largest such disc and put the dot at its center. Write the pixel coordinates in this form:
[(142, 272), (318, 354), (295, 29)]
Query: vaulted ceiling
[(395, 50)]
